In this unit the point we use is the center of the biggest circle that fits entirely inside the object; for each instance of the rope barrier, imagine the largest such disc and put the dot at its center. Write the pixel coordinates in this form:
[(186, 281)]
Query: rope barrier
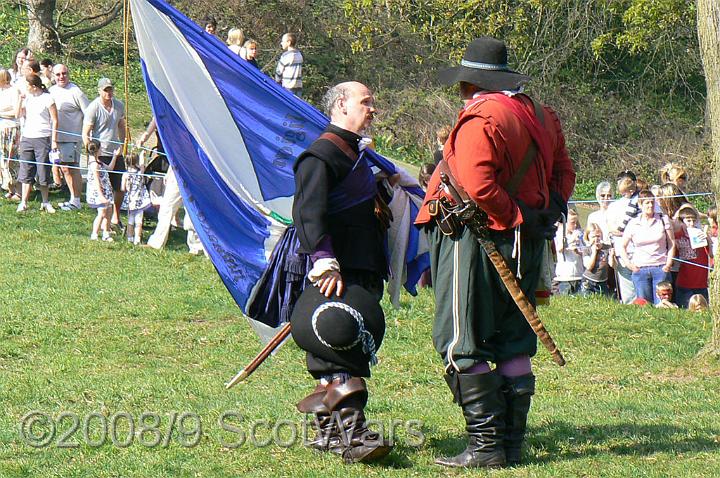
[(160, 153), (160, 176), (16, 159), (693, 264), (113, 142)]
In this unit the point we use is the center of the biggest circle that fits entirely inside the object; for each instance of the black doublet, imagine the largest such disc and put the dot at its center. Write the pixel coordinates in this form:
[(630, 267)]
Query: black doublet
[(357, 236)]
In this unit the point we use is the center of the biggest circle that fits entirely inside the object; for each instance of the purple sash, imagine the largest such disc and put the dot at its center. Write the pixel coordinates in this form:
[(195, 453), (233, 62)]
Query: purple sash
[(357, 187), (284, 279)]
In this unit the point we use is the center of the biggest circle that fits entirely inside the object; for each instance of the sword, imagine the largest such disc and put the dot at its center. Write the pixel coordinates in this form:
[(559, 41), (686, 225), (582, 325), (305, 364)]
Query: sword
[(475, 219)]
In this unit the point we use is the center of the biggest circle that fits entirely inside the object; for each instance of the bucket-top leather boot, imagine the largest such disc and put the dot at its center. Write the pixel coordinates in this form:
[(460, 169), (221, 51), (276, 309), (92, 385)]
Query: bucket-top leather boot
[(483, 404), (346, 402), (325, 427), (518, 393)]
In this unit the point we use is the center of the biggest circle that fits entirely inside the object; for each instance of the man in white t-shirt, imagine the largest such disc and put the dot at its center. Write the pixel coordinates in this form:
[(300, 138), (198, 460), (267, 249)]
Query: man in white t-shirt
[(71, 104), (105, 122)]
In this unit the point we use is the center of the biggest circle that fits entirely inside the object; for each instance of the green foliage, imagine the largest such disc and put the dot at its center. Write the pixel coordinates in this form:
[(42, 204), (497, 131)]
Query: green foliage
[(624, 75), (656, 43), (584, 190), (14, 28)]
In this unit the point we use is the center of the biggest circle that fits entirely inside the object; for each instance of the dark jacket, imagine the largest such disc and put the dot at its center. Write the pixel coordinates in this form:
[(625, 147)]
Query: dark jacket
[(356, 236)]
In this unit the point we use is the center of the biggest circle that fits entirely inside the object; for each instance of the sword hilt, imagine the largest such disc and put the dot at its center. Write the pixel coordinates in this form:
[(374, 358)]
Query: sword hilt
[(454, 194)]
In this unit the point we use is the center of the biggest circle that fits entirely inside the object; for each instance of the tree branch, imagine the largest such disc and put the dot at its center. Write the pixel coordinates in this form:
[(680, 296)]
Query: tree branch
[(114, 10), (111, 16)]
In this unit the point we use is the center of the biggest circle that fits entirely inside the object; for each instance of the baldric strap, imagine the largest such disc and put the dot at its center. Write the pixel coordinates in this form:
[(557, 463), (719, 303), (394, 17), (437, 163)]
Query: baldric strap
[(340, 143), (514, 183)]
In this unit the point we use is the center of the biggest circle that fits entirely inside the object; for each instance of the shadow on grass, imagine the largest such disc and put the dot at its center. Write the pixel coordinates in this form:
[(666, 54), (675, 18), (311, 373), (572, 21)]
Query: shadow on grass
[(560, 441), (397, 459)]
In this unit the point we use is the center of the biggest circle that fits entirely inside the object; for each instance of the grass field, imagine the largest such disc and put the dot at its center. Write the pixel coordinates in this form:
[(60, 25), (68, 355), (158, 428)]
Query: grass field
[(95, 335)]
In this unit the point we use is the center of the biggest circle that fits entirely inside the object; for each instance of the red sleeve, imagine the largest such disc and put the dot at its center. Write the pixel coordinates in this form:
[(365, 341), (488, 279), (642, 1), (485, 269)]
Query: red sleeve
[(562, 179), (477, 160)]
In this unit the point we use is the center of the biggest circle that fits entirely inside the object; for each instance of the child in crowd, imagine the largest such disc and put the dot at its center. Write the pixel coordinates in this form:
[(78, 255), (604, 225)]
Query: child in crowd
[(99, 194), (694, 254), (697, 303), (595, 260), (619, 213), (711, 230), (441, 137), (250, 48), (137, 198), (569, 268), (425, 173), (664, 293)]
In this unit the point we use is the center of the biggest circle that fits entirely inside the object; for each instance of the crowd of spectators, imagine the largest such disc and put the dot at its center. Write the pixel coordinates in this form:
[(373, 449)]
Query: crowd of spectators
[(648, 246), (47, 123)]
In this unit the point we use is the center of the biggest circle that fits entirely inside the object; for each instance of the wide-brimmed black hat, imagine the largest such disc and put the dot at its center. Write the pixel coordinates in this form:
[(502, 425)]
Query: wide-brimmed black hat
[(484, 65), (345, 330)]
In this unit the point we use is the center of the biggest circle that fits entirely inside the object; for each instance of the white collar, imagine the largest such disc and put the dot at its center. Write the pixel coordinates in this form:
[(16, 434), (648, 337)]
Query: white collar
[(509, 93), (364, 143)]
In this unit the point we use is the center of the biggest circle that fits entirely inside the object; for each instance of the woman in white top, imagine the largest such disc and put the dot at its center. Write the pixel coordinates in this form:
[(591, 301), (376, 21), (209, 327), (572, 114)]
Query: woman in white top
[(235, 41), (39, 137), (20, 57), (604, 196), (9, 98)]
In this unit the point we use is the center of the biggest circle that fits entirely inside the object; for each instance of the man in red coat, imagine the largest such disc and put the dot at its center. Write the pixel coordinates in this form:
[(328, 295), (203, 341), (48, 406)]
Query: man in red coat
[(508, 153)]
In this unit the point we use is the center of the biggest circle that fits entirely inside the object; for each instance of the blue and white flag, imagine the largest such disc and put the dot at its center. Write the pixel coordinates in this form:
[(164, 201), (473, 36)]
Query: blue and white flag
[(232, 135)]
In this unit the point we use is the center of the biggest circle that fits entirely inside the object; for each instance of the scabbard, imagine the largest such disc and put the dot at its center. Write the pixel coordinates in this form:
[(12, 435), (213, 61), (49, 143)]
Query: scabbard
[(520, 299), (274, 343)]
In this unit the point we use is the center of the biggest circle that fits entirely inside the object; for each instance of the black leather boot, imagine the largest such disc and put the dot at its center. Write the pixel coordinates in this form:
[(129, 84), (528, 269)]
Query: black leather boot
[(483, 404), (326, 432), (356, 443), (518, 393)]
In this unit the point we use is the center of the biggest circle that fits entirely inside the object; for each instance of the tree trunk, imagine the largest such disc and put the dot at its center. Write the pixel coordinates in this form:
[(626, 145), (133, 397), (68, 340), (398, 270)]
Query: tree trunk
[(41, 36), (708, 24)]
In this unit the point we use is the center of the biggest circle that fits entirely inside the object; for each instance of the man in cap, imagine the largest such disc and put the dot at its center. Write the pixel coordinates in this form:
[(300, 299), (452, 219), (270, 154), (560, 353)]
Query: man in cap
[(508, 153), (337, 228), (105, 122)]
